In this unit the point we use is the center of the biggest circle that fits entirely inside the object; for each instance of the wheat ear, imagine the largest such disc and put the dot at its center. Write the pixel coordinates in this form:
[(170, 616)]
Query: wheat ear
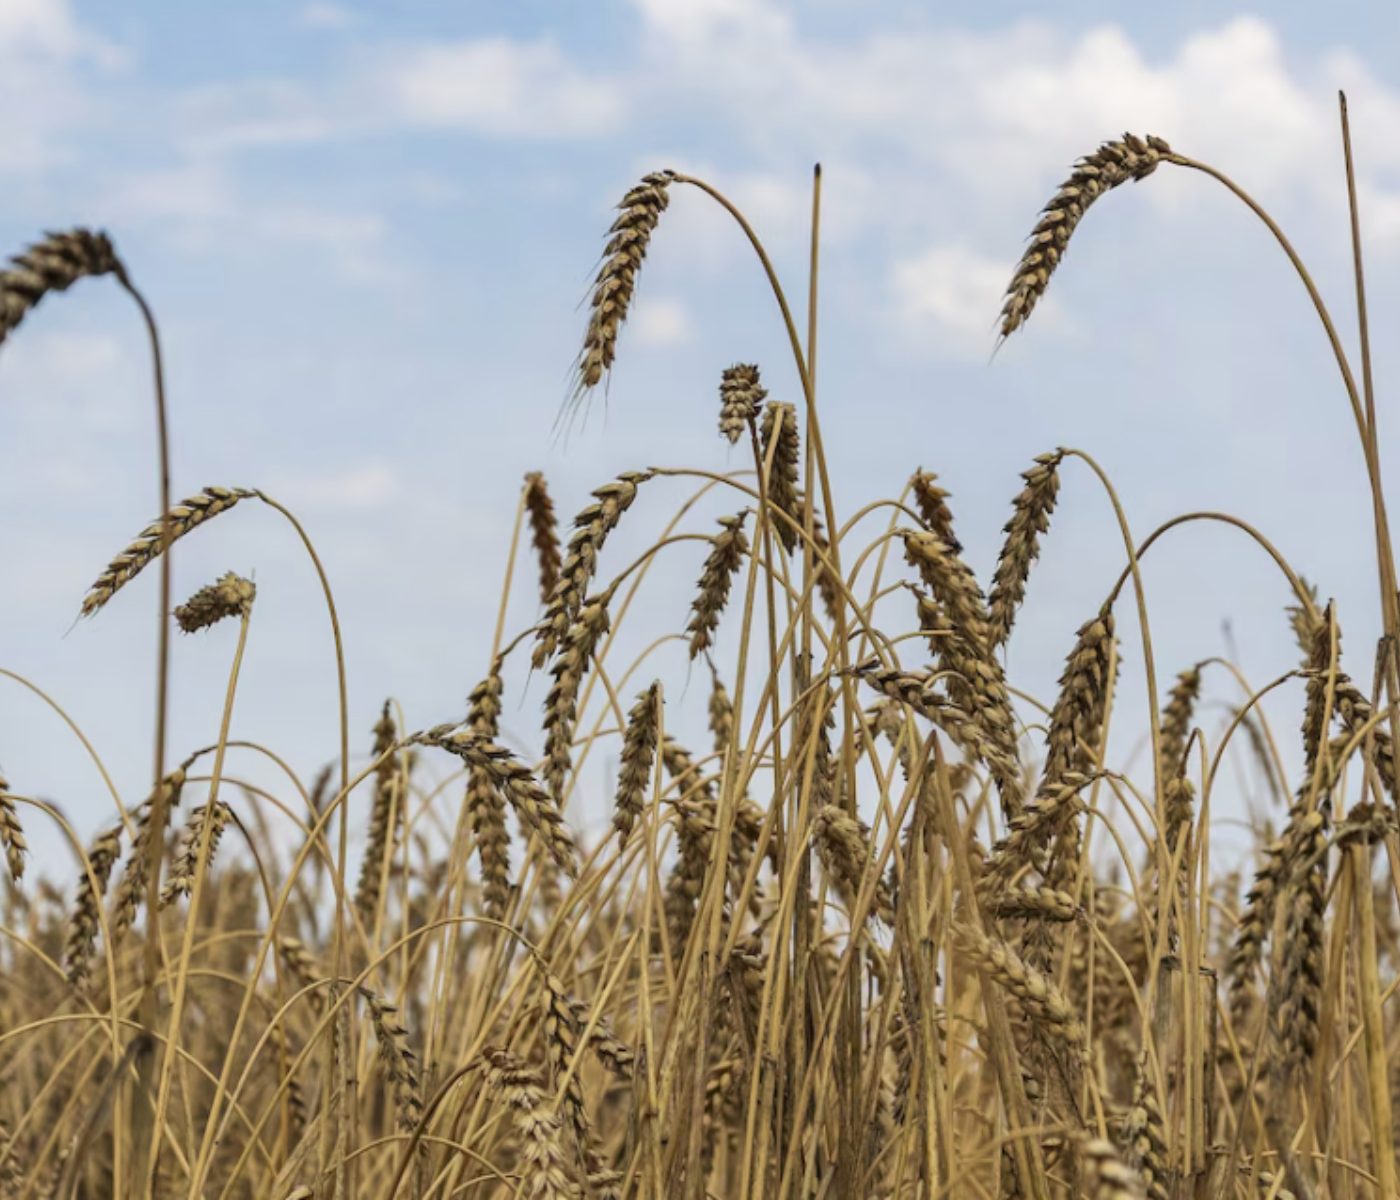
[(1111, 164), (1030, 518), (543, 1162), (85, 919), (741, 397), (385, 819), (53, 264), (544, 532), (486, 806), (728, 549), (780, 424), (231, 596), (11, 833), (182, 517), (638, 755)]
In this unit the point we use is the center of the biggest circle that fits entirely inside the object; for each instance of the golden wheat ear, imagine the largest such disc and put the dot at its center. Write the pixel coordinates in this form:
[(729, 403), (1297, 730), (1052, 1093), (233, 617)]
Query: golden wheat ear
[(53, 264), (1111, 164)]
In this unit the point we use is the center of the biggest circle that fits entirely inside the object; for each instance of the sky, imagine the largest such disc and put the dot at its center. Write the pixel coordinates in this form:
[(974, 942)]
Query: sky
[(368, 230)]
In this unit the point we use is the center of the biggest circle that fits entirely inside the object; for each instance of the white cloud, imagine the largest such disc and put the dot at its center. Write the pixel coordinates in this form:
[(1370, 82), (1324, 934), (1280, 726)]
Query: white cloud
[(661, 321), (953, 294), (501, 88)]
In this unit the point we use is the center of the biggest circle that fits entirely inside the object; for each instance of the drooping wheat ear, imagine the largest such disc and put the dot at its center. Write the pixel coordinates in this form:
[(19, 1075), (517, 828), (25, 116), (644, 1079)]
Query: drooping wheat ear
[(1111, 164), (397, 1058), (780, 423), (147, 546), (486, 807), (932, 502), (1301, 969), (1106, 1175), (1030, 518), (1302, 620), (741, 396), (616, 281), (11, 834), (1041, 1001), (143, 857), (543, 1165), (1028, 901), (231, 596), (591, 529), (544, 532), (181, 879), (843, 844), (1177, 715), (532, 803), (84, 921), (638, 755), (52, 265), (385, 816), (1145, 1135), (728, 549), (561, 704)]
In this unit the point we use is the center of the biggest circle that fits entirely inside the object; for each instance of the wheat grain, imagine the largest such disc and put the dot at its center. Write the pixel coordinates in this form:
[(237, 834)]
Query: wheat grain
[(146, 547), (1107, 1176), (1111, 164)]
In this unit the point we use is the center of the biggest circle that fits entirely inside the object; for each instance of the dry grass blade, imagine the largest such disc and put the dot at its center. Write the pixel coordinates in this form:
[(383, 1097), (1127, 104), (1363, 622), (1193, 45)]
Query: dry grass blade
[(741, 398), (183, 517), (231, 596), (616, 282), (52, 265), (1111, 164), (544, 533), (1029, 521), (728, 548)]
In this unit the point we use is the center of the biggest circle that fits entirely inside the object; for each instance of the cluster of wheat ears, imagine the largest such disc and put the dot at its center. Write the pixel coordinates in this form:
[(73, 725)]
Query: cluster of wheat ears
[(887, 934)]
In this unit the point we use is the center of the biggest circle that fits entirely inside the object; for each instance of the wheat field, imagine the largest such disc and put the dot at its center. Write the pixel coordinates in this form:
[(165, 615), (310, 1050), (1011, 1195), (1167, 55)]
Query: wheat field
[(892, 927)]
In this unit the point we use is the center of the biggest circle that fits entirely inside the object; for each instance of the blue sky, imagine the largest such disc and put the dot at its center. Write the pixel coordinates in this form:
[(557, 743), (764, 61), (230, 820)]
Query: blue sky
[(367, 231)]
